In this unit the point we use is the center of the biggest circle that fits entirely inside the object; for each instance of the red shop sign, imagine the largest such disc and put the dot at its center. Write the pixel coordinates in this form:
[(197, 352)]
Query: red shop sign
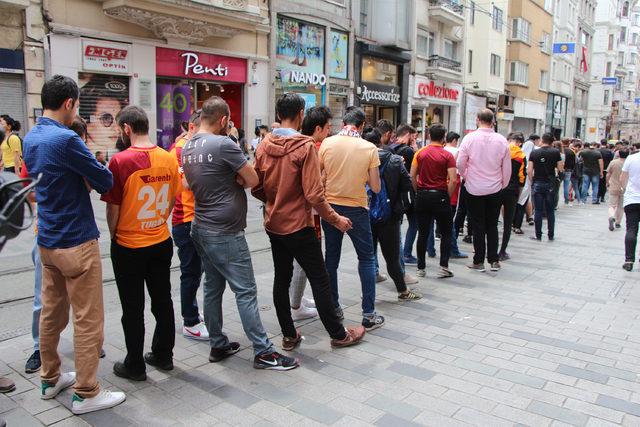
[(202, 66), (441, 92)]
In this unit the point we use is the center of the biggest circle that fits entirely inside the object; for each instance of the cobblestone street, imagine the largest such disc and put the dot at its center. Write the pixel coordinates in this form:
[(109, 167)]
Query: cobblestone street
[(551, 339)]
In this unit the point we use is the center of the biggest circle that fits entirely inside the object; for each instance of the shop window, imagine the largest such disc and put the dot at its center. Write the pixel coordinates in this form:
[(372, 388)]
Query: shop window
[(101, 99), (379, 71)]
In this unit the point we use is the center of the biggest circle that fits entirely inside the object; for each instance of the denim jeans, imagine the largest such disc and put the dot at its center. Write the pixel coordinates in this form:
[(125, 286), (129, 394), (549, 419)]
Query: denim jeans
[(190, 273), (362, 240), (412, 232), (226, 259), (37, 300), (594, 180), (570, 181), (543, 201)]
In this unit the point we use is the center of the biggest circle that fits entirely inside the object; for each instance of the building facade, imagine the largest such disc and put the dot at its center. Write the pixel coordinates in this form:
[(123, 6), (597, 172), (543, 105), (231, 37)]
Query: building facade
[(21, 60), (485, 64), (604, 61), (435, 84), (530, 27), (577, 124), (167, 57), (312, 51)]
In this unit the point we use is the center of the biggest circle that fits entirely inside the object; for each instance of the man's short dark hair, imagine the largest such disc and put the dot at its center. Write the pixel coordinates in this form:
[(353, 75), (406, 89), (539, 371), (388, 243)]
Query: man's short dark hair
[(548, 138), (586, 144), (437, 132), (534, 137), (636, 145), (214, 109), (384, 126), (404, 129), (373, 135), (516, 136), (79, 126), (485, 116), (288, 106), (623, 154), (354, 116), (452, 136), (98, 153), (135, 117), (603, 141), (315, 116), (57, 90)]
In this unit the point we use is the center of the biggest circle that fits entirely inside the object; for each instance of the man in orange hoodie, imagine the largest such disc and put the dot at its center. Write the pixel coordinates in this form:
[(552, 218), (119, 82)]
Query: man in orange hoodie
[(290, 185)]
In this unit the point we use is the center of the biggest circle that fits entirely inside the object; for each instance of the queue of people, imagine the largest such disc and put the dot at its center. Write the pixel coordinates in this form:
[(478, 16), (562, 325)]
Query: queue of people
[(361, 182)]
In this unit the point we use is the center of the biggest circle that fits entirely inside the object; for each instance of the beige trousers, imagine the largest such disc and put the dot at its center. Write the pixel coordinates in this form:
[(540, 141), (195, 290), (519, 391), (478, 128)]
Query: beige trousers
[(72, 277), (616, 200)]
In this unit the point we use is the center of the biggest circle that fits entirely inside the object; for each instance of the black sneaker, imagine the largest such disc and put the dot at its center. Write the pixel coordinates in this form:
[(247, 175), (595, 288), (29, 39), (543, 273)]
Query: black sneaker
[(122, 371), (628, 266), (612, 224), (372, 322), (340, 313), (33, 364), (539, 239), (218, 354), (275, 362), (165, 365), (503, 256), (102, 353), (467, 239)]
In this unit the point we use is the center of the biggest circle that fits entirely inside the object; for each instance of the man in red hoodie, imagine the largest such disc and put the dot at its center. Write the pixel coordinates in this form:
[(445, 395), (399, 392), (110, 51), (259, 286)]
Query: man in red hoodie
[(290, 185)]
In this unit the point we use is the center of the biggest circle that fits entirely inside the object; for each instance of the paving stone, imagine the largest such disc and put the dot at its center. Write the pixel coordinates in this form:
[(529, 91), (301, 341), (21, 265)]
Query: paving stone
[(394, 407), (390, 420), (520, 416), (619, 405), (583, 373), (355, 409), (464, 345), (554, 342), (613, 372), (412, 371), (54, 415), (316, 411), (557, 413), (235, 396), (594, 410), (503, 397), (478, 418), (518, 378)]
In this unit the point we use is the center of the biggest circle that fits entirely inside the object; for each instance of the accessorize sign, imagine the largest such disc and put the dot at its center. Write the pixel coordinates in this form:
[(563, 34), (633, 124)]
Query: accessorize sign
[(371, 93), (105, 56), (201, 66), (437, 90)]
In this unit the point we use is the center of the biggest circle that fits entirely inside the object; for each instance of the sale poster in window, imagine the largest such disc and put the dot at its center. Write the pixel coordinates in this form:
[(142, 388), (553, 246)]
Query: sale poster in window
[(173, 109), (299, 46), (338, 54)]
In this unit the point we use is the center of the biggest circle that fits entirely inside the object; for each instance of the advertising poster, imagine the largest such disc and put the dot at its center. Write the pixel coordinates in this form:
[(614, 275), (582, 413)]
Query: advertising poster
[(299, 46), (101, 99), (174, 108), (339, 54)]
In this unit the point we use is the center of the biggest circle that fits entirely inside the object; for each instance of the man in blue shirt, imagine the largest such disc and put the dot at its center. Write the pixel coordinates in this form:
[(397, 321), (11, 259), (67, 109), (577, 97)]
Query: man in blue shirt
[(68, 244)]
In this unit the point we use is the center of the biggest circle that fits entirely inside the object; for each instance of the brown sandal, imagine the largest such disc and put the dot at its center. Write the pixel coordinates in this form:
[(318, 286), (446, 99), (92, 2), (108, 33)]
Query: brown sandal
[(354, 336)]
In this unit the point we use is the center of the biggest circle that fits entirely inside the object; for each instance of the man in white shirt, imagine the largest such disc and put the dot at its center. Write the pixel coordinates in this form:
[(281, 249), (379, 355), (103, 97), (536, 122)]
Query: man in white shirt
[(630, 180)]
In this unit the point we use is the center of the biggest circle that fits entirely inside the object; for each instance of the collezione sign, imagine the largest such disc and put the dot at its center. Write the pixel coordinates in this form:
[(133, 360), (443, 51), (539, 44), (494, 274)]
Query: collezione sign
[(432, 90)]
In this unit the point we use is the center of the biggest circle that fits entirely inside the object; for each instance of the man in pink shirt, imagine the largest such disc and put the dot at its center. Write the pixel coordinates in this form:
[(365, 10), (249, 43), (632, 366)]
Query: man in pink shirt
[(485, 164)]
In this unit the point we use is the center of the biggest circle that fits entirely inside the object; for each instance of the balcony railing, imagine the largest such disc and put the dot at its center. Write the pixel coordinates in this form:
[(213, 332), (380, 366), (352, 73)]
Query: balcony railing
[(437, 61), (448, 4)]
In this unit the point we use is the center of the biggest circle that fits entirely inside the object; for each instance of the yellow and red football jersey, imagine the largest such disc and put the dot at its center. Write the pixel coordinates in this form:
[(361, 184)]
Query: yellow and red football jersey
[(145, 184), (184, 209)]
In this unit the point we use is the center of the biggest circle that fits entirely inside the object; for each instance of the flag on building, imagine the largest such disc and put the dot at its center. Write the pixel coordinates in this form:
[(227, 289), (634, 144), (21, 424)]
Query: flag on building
[(583, 62), (564, 48)]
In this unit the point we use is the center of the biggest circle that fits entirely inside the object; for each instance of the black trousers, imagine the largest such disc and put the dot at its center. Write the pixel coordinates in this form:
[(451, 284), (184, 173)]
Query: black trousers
[(509, 200), (484, 211), (430, 205), (602, 188), (632, 217), (388, 235), (462, 212), (518, 218), (304, 247), (132, 269)]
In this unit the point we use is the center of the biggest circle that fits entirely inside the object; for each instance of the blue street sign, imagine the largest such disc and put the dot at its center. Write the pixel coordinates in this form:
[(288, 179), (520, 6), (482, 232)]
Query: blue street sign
[(564, 48), (637, 101), (612, 81)]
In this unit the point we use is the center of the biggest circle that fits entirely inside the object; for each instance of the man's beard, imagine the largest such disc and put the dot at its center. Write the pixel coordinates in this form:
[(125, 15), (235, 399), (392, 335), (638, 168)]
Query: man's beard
[(126, 140)]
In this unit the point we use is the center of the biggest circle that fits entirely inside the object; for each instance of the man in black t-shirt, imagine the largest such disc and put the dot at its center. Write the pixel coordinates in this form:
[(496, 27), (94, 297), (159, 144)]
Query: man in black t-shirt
[(543, 163), (592, 172), (607, 157)]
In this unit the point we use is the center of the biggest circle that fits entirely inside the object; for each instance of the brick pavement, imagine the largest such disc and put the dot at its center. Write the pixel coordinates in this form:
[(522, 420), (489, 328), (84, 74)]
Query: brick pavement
[(549, 340)]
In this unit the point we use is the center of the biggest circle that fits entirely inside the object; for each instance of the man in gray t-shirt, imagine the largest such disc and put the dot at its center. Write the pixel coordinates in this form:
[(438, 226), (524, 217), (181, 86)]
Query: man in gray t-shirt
[(218, 174), (211, 163)]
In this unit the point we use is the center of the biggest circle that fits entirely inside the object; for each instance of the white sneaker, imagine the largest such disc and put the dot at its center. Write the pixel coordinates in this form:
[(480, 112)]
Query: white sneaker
[(303, 312), (309, 302), (421, 273), (409, 279), (104, 400), (49, 391), (381, 277), (196, 332)]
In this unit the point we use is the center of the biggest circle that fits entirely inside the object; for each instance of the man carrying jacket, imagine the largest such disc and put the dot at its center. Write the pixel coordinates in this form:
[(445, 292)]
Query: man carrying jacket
[(397, 183), (290, 185)]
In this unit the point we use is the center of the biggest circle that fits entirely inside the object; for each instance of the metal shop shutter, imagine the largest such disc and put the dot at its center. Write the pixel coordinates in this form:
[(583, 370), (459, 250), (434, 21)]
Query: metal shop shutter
[(13, 97)]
